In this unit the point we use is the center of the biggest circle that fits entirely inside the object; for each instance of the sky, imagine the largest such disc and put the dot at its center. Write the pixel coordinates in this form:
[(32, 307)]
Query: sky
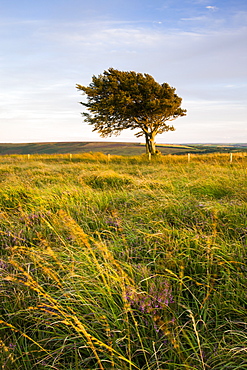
[(48, 46)]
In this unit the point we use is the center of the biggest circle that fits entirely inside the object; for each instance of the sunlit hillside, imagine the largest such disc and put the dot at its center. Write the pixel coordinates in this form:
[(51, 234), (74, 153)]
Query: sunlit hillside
[(116, 148)]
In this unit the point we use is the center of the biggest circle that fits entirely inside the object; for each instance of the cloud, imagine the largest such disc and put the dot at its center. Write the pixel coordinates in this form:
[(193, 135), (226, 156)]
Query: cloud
[(201, 18), (213, 8), (200, 55)]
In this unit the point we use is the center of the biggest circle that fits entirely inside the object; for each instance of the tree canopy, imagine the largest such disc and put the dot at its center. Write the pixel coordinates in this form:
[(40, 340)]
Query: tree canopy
[(119, 100)]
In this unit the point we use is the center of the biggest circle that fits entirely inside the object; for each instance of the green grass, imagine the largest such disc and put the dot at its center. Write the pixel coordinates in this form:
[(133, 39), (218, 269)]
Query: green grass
[(123, 263)]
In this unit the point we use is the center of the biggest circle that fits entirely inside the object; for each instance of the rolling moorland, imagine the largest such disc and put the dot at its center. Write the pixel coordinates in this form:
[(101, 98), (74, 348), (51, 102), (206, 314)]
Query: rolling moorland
[(123, 263), (116, 148)]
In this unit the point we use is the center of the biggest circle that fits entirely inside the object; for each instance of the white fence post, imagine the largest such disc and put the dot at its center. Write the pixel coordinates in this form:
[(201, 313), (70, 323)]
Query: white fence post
[(188, 157), (230, 157)]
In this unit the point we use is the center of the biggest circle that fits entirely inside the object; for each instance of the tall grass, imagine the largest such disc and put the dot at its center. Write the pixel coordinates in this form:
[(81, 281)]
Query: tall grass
[(123, 264)]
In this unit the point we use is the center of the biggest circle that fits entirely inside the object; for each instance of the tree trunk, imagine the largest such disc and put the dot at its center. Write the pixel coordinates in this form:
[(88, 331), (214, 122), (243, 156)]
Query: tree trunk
[(147, 144), (150, 144)]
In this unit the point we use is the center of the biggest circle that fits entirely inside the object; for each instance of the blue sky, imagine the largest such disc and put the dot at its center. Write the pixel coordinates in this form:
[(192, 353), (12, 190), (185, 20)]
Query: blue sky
[(47, 47)]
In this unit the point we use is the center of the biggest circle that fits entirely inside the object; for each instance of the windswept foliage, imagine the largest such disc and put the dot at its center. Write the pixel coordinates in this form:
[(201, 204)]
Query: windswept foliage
[(120, 100), (123, 264)]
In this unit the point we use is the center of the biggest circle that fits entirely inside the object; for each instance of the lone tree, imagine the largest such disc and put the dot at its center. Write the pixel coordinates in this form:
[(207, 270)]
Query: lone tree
[(120, 100)]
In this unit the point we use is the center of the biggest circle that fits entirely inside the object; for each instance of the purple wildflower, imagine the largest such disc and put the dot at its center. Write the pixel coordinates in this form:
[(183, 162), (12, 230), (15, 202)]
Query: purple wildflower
[(3, 265), (157, 297), (153, 301)]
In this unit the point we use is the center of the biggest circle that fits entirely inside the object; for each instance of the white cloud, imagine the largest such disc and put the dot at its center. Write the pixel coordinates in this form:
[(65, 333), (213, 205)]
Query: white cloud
[(213, 8), (202, 18)]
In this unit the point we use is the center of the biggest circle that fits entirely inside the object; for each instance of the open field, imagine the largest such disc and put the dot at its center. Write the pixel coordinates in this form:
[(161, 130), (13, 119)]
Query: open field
[(123, 264), (116, 148)]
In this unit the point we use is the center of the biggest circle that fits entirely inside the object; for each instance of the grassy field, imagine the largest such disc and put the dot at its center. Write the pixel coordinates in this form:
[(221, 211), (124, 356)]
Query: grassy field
[(123, 264)]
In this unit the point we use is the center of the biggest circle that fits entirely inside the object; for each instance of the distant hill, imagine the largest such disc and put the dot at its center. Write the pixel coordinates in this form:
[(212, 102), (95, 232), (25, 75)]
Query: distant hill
[(116, 148)]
